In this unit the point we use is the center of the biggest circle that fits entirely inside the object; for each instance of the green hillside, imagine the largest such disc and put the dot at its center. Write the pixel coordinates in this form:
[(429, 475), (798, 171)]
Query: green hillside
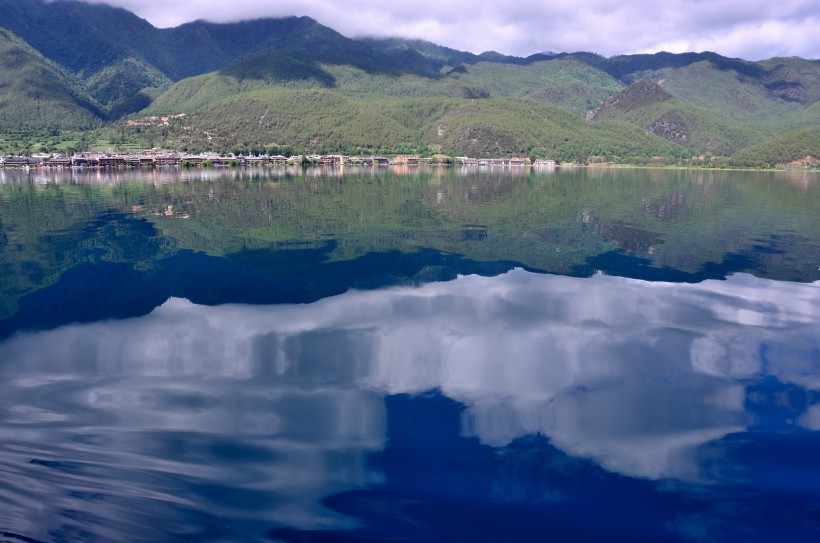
[(120, 57), (37, 94), (83, 38), (648, 105), (499, 127), (531, 106), (126, 86), (563, 82), (345, 112), (758, 99), (441, 58), (784, 148), (294, 84)]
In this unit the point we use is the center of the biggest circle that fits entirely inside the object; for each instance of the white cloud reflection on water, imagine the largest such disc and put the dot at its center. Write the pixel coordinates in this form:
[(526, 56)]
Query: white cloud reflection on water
[(259, 412), (632, 375)]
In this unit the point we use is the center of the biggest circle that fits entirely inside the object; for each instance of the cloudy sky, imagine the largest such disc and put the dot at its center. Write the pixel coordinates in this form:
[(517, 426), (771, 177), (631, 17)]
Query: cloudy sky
[(750, 29)]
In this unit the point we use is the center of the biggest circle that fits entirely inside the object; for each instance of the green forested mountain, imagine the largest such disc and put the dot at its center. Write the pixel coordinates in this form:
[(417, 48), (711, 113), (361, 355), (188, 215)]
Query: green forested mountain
[(295, 85), (648, 105), (36, 94), (798, 145)]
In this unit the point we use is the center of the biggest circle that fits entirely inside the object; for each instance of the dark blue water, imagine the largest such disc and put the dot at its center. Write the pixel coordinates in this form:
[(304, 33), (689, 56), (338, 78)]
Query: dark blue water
[(162, 381)]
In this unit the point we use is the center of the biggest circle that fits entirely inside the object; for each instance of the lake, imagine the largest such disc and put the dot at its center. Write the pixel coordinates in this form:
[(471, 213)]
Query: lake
[(425, 355)]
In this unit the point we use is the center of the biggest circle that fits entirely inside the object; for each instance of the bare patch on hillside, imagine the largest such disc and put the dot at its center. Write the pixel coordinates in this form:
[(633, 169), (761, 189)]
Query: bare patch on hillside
[(671, 126), (639, 94)]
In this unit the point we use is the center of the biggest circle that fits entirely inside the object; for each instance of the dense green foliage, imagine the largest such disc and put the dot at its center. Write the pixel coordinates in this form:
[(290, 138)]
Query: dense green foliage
[(328, 120), (124, 87), (37, 94), (784, 148), (647, 105), (562, 82), (757, 99)]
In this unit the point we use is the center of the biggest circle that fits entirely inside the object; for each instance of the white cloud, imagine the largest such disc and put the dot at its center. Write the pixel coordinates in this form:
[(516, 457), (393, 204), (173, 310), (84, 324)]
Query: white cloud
[(751, 29)]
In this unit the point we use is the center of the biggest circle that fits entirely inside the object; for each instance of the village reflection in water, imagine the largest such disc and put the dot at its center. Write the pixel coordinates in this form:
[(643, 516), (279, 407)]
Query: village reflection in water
[(174, 174), (796, 177)]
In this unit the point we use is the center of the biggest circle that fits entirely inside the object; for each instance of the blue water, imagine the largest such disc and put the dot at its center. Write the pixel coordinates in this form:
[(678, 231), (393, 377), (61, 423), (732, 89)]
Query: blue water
[(152, 390)]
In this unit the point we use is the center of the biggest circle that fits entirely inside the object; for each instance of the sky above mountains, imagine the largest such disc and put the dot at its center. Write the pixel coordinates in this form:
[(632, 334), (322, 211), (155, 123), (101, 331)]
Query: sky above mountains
[(749, 29)]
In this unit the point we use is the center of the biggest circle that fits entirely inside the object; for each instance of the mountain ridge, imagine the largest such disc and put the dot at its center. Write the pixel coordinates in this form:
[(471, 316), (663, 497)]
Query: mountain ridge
[(107, 66)]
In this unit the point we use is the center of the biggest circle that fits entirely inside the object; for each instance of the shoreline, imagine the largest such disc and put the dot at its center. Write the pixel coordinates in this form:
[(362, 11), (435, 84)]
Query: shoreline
[(39, 167)]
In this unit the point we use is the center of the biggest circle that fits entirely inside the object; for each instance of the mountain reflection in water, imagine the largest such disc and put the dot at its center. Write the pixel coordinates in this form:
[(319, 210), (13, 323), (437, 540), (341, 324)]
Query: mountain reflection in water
[(193, 416)]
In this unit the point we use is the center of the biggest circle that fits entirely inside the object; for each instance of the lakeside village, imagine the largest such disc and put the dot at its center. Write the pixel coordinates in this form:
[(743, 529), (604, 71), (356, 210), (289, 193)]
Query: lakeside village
[(153, 158)]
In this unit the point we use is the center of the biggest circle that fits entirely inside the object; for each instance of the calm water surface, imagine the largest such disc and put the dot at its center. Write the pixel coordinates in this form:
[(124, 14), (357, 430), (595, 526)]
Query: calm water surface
[(443, 355)]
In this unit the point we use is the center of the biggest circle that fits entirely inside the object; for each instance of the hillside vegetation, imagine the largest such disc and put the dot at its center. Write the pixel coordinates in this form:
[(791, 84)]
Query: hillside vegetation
[(346, 110), (793, 146), (293, 85), (648, 105), (37, 94)]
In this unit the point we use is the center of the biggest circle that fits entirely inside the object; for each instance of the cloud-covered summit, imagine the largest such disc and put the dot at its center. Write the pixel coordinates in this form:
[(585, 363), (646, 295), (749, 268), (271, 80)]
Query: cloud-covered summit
[(749, 29)]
